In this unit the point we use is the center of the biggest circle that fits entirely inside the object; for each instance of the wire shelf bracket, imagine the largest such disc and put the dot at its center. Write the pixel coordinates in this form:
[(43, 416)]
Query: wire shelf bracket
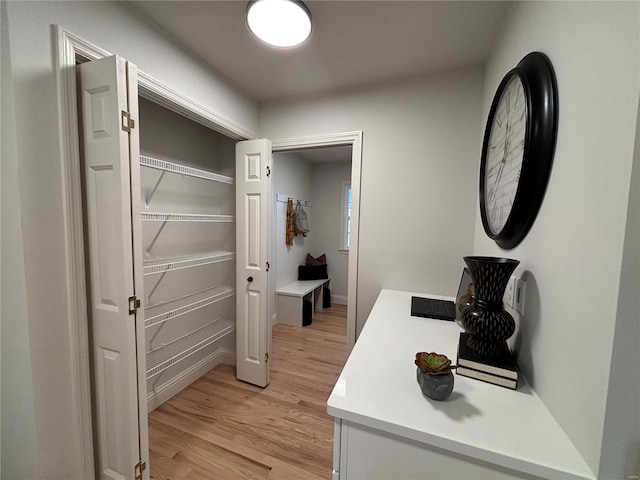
[(186, 217), (168, 265), (211, 295), (163, 266), (179, 217), (165, 166), (167, 355)]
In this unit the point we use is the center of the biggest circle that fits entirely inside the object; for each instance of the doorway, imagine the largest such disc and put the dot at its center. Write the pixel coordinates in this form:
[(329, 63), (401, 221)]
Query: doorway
[(317, 181), (323, 148)]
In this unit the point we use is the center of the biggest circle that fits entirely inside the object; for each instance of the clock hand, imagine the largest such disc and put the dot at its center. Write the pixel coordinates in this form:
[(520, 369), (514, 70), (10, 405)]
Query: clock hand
[(493, 191), (505, 148), (496, 183), (503, 161), (492, 169)]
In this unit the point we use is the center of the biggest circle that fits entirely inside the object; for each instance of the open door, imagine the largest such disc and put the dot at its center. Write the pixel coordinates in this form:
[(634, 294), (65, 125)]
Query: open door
[(108, 95), (253, 201)]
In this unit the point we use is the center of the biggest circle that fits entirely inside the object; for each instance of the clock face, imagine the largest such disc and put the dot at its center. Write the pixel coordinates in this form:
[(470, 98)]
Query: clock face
[(517, 149), (505, 154)]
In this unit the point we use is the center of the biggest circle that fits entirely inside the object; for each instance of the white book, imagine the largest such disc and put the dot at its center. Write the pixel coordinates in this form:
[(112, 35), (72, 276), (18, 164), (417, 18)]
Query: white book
[(487, 377)]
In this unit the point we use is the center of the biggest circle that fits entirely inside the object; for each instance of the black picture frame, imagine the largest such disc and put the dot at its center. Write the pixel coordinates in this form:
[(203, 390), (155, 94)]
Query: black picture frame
[(541, 92)]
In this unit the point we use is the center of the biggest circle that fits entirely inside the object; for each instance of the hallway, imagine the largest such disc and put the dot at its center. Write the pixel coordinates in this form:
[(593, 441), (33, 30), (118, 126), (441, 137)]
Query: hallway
[(225, 429)]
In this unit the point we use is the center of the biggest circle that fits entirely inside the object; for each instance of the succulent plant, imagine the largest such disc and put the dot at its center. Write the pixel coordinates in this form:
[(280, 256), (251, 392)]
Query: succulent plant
[(433, 363)]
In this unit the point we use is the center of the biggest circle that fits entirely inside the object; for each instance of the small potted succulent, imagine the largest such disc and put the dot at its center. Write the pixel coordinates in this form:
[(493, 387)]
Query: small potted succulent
[(434, 375)]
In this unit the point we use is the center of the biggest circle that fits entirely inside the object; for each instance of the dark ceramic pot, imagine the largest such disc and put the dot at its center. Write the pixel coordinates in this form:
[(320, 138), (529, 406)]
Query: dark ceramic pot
[(438, 387), (485, 319)]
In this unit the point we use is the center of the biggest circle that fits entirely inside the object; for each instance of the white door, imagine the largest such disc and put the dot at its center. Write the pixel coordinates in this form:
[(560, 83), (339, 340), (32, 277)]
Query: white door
[(108, 87), (253, 200)]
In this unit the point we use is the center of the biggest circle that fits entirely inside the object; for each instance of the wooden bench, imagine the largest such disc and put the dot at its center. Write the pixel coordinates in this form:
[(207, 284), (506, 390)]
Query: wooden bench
[(290, 299)]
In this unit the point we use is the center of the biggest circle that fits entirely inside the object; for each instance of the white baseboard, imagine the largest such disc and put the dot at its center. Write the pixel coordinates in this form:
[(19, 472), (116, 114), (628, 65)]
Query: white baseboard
[(339, 299), (175, 385)]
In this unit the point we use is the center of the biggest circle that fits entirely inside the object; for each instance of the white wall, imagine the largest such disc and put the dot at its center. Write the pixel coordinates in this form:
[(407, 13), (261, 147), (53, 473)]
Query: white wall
[(17, 420), (291, 177), (573, 254), (326, 219), (175, 138), (621, 441), (36, 198), (420, 158)]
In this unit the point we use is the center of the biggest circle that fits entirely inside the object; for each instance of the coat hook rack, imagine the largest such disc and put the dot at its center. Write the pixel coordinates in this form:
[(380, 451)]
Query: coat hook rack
[(285, 198)]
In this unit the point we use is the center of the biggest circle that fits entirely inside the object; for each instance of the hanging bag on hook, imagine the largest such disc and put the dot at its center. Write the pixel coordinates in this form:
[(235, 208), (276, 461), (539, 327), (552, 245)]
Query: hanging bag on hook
[(301, 222)]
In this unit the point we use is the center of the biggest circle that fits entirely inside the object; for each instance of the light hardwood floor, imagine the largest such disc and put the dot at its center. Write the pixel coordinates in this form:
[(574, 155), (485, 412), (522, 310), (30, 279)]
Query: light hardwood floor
[(220, 428)]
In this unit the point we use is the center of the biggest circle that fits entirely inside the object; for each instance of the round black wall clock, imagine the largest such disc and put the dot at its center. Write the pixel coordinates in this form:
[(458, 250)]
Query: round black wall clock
[(517, 152)]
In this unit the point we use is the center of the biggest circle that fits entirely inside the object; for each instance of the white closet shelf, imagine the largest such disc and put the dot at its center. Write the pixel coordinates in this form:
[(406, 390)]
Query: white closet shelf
[(163, 357), (187, 303), (186, 217), (169, 264), (183, 170)]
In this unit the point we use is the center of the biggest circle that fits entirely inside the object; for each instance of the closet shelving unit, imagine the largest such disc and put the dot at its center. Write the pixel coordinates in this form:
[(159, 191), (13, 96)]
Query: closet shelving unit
[(185, 217), (169, 264), (179, 217), (165, 166), (168, 354), (169, 310), (157, 314)]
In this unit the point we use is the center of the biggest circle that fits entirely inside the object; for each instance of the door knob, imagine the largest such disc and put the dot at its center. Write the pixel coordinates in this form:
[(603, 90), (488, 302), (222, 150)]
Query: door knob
[(250, 279)]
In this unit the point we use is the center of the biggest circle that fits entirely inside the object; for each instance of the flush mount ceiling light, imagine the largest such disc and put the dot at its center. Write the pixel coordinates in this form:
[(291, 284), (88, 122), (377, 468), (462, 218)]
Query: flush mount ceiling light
[(281, 23)]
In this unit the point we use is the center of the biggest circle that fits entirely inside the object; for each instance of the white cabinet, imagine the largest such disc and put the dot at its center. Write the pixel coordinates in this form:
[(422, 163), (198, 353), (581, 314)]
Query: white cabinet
[(386, 428), (374, 454)]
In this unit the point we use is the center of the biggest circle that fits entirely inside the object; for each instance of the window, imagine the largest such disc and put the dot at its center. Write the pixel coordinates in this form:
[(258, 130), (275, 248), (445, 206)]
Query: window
[(345, 228)]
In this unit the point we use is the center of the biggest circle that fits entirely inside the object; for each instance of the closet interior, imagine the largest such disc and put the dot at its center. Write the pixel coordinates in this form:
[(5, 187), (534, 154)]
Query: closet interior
[(187, 200)]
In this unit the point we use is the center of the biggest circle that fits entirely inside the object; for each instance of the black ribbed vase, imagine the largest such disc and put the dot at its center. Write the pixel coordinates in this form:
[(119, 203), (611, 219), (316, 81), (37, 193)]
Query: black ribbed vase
[(485, 319)]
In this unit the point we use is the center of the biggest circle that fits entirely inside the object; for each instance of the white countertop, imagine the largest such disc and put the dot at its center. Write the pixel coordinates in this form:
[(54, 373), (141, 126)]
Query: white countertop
[(378, 388)]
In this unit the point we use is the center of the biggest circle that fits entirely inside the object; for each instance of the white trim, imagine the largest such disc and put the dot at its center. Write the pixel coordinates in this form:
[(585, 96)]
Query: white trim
[(69, 47), (153, 90), (339, 299), (354, 139), (345, 186), (316, 141), (176, 384)]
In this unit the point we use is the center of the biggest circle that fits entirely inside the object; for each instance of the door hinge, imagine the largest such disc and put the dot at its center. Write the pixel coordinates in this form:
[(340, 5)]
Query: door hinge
[(268, 266), (138, 468), (268, 171), (134, 304), (127, 122), (266, 357)]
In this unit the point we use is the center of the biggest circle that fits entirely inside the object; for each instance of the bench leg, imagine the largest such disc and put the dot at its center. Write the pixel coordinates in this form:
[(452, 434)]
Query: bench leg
[(317, 298), (290, 310)]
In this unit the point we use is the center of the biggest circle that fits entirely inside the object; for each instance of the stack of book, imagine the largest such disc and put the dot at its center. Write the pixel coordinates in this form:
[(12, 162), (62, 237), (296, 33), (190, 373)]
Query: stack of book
[(501, 370)]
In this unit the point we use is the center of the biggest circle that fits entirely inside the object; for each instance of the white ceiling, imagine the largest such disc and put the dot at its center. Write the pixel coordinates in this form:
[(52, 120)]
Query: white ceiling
[(353, 43)]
